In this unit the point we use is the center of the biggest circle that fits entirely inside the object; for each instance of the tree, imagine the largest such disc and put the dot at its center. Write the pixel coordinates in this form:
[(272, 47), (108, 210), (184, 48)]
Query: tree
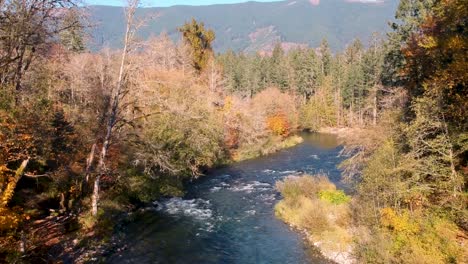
[(354, 82), (115, 117), (26, 28), (277, 68), (372, 68), (325, 56), (305, 71), (72, 35), (409, 15), (199, 40), (436, 61)]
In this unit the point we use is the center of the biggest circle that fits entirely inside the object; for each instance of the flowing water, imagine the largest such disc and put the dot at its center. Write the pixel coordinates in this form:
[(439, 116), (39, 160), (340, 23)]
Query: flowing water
[(228, 216)]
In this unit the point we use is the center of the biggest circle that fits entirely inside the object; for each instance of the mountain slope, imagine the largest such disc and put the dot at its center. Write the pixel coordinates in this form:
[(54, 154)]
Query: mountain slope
[(254, 26)]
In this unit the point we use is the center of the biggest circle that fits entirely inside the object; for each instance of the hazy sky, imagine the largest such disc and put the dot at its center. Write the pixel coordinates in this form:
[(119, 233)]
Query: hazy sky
[(169, 2)]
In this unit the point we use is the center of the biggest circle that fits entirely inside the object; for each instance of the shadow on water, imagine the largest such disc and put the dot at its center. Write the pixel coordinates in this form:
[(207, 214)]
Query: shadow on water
[(228, 217)]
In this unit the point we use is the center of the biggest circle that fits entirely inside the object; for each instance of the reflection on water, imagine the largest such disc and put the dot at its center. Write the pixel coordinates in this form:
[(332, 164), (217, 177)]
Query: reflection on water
[(228, 216), (325, 141)]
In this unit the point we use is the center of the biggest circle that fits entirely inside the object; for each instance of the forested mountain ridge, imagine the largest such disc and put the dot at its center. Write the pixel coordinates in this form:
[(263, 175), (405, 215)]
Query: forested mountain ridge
[(255, 26)]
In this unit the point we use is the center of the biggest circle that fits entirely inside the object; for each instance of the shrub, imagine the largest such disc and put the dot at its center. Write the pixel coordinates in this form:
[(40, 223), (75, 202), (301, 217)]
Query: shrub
[(419, 238), (334, 196), (9, 219), (279, 124), (309, 186)]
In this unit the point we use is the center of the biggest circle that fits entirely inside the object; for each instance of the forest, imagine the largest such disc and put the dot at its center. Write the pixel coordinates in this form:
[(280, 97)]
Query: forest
[(87, 136)]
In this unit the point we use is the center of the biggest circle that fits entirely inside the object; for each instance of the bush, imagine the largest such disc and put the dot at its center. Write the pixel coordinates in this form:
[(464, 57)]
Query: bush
[(411, 232), (279, 124), (9, 220), (411, 237), (334, 196), (309, 186)]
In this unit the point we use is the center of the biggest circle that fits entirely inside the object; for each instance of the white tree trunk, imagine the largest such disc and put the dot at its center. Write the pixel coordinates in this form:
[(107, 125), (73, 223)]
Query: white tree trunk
[(95, 199), (374, 114), (118, 95)]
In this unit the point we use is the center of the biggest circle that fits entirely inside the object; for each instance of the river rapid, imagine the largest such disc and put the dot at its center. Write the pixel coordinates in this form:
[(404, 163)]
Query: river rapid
[(228, 215)]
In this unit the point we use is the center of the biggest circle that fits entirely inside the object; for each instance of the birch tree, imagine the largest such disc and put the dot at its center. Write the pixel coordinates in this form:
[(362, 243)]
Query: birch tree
[(115, 118)]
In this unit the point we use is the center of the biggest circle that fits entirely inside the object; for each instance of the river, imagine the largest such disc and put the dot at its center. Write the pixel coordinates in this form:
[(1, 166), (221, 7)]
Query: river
[(228, 215)]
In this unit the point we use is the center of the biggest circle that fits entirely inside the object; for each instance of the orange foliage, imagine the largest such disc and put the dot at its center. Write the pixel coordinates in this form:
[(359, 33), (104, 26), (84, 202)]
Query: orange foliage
[(231, 138), (279, 124)]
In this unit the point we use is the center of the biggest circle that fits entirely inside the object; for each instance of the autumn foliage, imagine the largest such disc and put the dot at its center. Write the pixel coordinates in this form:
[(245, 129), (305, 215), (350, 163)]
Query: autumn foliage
[(279, 124)]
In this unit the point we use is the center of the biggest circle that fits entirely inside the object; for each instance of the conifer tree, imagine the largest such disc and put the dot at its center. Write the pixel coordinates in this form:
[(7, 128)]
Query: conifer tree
[(199, 40)]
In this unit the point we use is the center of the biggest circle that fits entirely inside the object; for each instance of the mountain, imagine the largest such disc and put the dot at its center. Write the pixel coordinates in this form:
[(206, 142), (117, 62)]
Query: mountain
[(255, 26)]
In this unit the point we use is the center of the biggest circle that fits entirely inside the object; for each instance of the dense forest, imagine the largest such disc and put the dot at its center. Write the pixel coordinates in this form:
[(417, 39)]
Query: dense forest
[(86, 136)]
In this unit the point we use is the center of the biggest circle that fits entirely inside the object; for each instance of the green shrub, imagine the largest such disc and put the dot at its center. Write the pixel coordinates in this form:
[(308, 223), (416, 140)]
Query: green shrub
[(334, 196)]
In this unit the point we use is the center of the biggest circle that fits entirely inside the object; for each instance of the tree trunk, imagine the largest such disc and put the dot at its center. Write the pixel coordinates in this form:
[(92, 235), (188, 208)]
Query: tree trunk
[(374, 114), (89, 163), (95, 199), (10, 189), (118, 95), (63, 207)]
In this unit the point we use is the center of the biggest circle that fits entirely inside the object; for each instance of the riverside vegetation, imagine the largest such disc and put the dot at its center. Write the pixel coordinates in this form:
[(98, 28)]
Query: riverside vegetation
[(313, 204), (409, 171), (85, 136)]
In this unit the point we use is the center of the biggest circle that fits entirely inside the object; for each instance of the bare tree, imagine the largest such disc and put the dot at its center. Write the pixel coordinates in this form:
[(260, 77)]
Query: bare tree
[(119, 93), (26, 27)]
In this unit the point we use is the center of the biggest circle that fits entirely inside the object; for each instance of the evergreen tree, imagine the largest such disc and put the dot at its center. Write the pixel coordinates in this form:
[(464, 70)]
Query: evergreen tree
[(409, 15), (72, 35), (278, 71), (199, 40), (325, 56), (62, 136)]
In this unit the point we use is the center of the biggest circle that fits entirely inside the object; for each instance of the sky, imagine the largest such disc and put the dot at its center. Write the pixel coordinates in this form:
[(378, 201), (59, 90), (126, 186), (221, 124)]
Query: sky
[(169, 2)]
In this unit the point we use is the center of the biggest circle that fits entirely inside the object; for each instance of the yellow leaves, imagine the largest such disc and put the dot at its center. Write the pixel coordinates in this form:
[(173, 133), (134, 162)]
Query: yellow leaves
[(417, 237), (427, 42), (397, 222), (8, 192), (73, 190), (456, 43), (3, 169), (303, 207), (228, 103), (9, 219)]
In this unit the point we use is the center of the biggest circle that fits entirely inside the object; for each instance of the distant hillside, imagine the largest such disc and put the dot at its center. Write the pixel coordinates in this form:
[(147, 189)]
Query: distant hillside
[(254, 26)]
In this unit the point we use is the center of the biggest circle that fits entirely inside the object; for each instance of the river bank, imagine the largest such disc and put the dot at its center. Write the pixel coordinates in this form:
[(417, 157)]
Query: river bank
[(227, 216), (341, 132), (80, 238), (333, 237), (313, 206)]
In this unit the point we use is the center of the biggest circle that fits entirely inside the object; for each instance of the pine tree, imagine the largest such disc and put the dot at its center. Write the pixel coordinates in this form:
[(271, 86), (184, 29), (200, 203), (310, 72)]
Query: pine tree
[(199, 40), (72, 35), (325, 56), (62, 136)]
